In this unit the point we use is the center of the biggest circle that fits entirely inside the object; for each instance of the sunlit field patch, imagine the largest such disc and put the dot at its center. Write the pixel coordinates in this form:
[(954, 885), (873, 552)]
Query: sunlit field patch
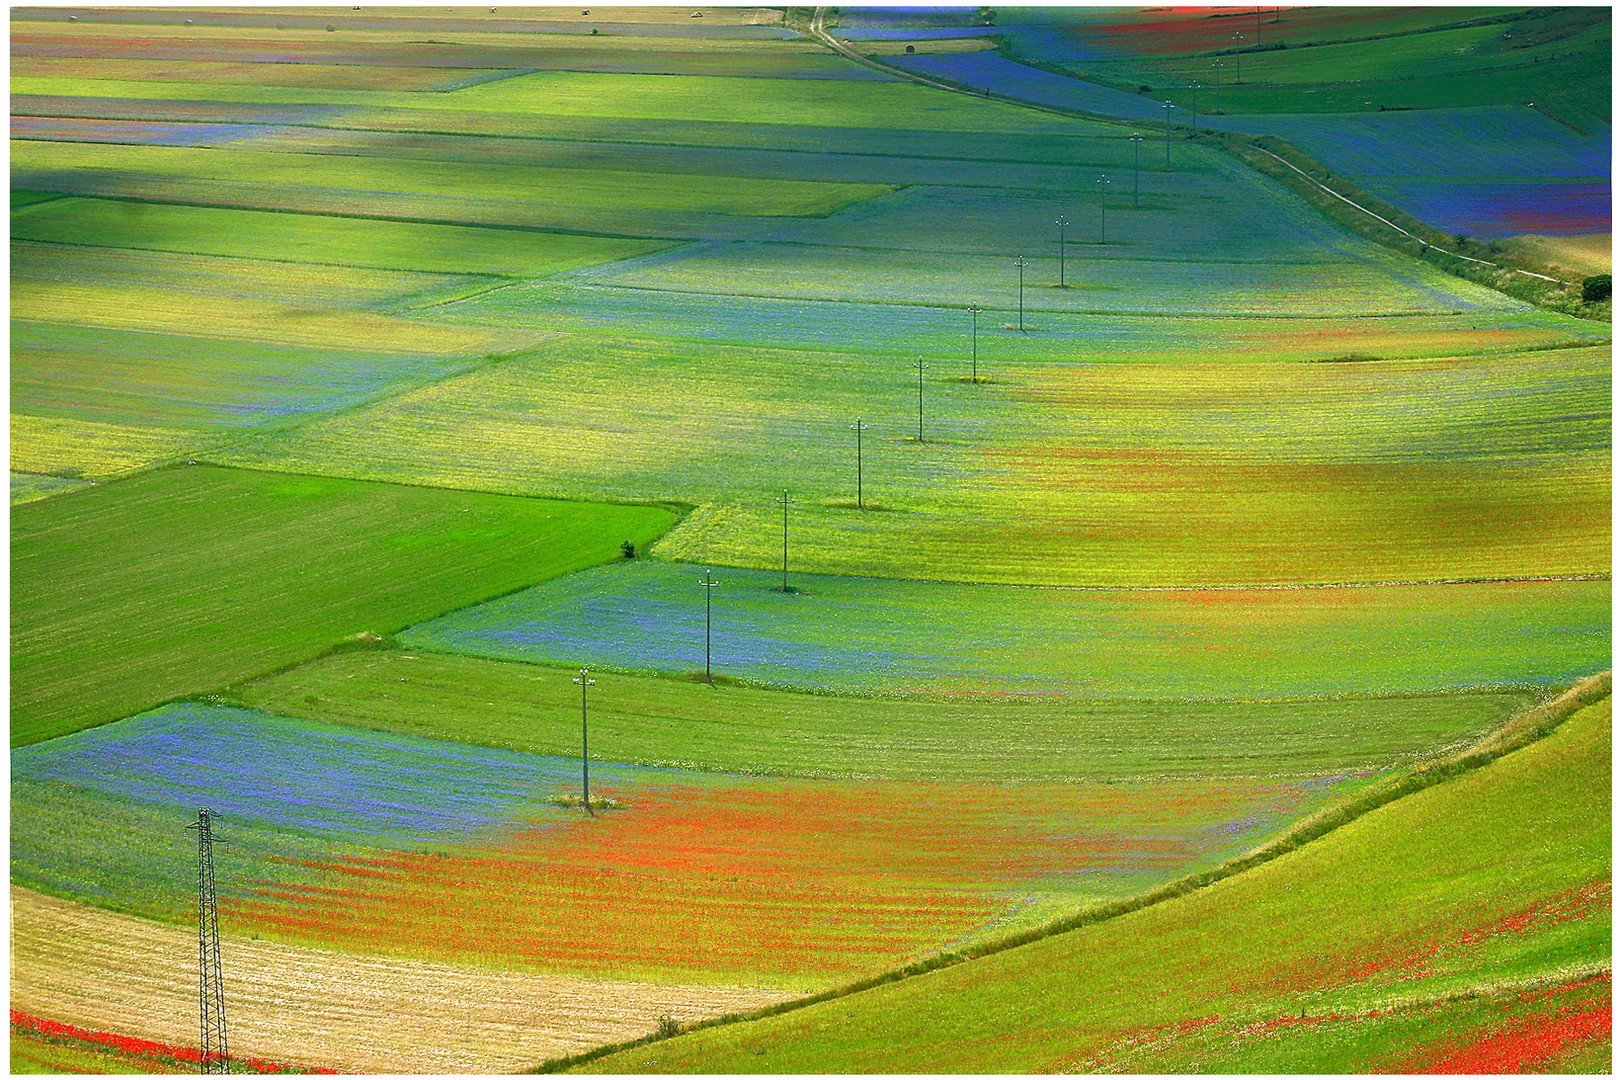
[(73, 450), (341, 1011), (284, 320), (1040, 475)]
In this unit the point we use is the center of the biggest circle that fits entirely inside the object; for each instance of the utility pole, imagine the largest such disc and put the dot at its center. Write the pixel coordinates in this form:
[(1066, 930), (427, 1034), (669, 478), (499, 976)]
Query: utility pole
[(1062, 224), (214, 1055), (859, 425), (1136, 183), (1237, 58), (1195, 108), (920, 367), (1021, 263), (1102, 209), (708, 582), (975, 309), (1167, 107), (784, 501), (584, 680)]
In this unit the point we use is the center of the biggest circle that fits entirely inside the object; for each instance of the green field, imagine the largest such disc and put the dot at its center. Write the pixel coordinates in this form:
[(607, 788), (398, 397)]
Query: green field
[(1337, 928), (677, 722), (351, 242), (600, 190), (183, 580)]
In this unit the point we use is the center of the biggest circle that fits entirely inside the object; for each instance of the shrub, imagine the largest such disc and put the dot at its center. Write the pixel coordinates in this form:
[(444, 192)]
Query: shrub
[(1597, 288), (627, 549)]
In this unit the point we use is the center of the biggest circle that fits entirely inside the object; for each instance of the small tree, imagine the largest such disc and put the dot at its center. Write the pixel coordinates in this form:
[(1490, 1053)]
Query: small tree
[(1597, 288), (627, 549)]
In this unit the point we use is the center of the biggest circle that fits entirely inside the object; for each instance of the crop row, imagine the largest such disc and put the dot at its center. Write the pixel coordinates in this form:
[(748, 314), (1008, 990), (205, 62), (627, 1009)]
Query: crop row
[(945, 334), (135, 379), (985, 736), (600, 190), (138, 977), (339, 245), (1317, 285), (888, 636), (75, 263), (202, 69)]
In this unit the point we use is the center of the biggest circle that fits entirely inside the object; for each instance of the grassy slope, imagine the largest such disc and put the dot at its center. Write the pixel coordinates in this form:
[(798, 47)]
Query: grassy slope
[(728, 728), (178, 581), (1405, 901)]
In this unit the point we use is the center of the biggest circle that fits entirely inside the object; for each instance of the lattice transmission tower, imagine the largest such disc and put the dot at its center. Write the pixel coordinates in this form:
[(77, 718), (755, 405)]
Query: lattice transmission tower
[(214, 1056)]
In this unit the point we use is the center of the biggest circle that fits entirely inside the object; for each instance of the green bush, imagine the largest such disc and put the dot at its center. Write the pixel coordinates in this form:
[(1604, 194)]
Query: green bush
[(1597, 288)]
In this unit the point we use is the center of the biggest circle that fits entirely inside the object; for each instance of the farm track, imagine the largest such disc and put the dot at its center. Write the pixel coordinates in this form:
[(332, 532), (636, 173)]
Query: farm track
[(131, 976)]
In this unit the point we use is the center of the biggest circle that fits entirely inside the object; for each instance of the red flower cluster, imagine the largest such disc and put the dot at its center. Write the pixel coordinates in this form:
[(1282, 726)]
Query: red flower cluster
[(161, 1055)]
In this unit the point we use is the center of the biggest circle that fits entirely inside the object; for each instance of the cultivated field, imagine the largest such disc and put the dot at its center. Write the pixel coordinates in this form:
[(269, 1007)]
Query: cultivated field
[(1195, 566)]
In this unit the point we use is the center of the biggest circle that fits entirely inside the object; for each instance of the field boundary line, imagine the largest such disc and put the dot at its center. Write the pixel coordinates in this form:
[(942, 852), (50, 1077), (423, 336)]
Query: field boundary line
[(1520, 731)]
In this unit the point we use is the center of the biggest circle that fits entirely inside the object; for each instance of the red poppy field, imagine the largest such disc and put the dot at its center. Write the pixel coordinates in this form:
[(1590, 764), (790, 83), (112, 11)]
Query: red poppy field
[(794, 882)]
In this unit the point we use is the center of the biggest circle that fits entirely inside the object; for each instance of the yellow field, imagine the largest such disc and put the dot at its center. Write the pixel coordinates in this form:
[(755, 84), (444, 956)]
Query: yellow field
[(57, 446), (1582, 255), (134, 977)]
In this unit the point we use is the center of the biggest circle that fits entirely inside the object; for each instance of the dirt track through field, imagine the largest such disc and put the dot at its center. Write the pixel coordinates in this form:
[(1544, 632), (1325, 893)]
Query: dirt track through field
[(131, 976)]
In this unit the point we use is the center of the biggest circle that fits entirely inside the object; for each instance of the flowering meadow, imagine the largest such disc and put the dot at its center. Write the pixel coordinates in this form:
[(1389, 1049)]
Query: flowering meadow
[(1116, 556), (1405, 923), (414, 847), (877, 636)]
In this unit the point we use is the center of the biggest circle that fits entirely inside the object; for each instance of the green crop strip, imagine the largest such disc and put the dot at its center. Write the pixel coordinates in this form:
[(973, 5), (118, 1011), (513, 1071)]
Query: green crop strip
[(180, 581), (680, 723), (333, 242)]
